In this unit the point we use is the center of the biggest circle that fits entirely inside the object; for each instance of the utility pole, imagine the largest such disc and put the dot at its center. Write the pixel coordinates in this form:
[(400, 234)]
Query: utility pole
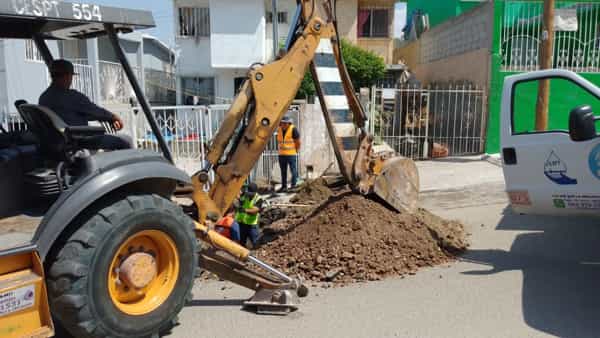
[(546, 43), (275, 21)]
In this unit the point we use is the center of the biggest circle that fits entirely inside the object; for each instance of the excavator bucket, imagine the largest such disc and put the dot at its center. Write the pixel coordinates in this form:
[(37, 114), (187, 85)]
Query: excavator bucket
[(398, 183)]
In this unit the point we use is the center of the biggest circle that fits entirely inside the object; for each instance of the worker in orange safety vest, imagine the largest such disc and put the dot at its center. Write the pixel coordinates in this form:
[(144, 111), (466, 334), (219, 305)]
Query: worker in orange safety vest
[(228, 227), (288, 141)]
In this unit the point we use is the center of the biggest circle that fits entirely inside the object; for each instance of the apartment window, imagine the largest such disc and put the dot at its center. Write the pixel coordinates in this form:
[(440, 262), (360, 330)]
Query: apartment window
[(198, 90), (31, 52), (373, 23), (282, 17), (194, 21)]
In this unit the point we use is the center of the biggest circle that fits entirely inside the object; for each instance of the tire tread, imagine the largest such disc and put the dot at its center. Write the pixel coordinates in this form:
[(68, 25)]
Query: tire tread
[(68, 272)]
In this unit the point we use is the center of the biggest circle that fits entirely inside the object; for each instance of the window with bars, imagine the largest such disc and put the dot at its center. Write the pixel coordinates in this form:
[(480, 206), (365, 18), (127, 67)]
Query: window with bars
[(198, 90), (282, 17), (373, 23), (31, 52), (194, 22)]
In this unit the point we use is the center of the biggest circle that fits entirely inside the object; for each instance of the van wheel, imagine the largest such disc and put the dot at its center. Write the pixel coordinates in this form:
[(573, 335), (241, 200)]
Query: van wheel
[(126, 271)]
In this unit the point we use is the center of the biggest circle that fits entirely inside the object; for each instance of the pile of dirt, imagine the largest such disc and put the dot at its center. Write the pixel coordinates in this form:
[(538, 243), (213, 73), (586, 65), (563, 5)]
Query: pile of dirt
[(312, 192), (350, 238)]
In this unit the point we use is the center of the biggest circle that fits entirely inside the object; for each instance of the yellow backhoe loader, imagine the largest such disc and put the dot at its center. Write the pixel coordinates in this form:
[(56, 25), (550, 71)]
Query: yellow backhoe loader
[(114, 256)]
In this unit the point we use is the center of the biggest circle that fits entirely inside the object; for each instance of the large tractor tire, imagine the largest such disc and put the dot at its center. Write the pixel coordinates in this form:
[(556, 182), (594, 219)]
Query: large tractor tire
[(125, 271)]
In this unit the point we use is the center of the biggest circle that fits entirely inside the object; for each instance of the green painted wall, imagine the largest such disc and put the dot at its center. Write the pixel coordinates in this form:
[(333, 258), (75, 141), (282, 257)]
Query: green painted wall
[(440, 10), (561, 100)]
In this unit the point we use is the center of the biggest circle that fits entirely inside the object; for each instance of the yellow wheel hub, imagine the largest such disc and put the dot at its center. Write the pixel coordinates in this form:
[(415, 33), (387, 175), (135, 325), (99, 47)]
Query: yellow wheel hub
[(143, 272)]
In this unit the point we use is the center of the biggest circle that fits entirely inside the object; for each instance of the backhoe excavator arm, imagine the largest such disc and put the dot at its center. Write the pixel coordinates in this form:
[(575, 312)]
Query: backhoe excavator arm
[(265, 98), (251, 121)]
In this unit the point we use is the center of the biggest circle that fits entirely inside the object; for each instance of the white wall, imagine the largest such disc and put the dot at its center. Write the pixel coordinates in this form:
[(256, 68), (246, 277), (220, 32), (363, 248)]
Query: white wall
[(237, 33), (193, 54), (155, 57), (288, 6), (194, 57), (225, 81), (232, 48), (24, 79)]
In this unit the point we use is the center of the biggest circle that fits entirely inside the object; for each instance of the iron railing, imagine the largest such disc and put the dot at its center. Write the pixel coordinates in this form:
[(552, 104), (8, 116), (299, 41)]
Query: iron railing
[(31, 52), (576, 47), (412, 119), (189, 129), (83, 82)]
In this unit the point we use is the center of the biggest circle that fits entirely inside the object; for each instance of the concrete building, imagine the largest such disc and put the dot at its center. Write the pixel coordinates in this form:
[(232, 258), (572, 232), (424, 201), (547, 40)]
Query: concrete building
[(23, 74), (218, 40)]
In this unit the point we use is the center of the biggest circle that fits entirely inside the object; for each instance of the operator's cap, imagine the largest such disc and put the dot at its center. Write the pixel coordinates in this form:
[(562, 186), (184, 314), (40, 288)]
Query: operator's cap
[(252, 187), (60, 67), (286, 119)]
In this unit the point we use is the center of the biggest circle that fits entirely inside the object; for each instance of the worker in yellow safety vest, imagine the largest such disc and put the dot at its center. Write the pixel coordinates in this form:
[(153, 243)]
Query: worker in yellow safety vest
[(247, 214), (288, 141)]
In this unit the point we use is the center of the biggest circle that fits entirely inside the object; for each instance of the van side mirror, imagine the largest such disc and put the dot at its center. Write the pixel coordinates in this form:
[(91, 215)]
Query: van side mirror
[(582, 125)]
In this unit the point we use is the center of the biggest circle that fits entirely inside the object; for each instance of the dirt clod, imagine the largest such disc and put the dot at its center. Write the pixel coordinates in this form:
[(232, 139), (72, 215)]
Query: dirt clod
[(313, 192), (349, 238)]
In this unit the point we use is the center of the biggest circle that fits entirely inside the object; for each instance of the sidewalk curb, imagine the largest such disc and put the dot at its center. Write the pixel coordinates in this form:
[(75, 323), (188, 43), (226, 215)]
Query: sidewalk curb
[(494, 159)]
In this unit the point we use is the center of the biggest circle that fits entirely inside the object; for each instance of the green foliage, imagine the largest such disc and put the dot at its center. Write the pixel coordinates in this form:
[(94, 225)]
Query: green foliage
[(307, 87), (365, 69)]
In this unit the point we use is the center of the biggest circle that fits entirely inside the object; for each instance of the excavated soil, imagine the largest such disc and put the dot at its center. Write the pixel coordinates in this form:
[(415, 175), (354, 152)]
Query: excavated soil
[(313, 192), (348, 238), (309, 195)]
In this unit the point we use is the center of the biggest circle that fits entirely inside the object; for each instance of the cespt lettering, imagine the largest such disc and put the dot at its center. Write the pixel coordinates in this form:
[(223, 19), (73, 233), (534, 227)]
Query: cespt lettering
[(36, 7)]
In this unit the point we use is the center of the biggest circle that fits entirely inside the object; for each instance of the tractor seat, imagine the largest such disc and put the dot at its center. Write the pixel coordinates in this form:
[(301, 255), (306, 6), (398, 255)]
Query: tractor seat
[(56, 138)]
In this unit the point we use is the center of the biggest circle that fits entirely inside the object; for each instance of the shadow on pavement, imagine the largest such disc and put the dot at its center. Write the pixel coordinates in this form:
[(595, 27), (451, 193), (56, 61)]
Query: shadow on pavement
[(560, 261), (216, 302)]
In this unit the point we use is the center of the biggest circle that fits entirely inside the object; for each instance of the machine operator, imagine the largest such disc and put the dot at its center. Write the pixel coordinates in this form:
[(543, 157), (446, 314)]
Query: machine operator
[(76, 109)]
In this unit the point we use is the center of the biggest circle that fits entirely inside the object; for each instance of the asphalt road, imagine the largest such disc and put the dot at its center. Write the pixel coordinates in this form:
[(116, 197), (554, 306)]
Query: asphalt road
[(523, 277)]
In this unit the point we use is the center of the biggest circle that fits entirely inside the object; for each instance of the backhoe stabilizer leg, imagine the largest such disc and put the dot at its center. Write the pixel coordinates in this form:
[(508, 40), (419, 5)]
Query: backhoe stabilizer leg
[(273, 296), (276, 293), (273, 302)]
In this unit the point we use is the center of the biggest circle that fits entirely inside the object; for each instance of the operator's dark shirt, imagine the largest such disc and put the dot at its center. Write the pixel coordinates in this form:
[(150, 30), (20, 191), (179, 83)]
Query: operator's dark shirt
[(73, 107)]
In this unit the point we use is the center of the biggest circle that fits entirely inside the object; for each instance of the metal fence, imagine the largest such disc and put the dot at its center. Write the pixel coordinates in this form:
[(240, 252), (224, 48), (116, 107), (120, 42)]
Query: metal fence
[(31, 52), (188, 130), (160, 86), (266, 169), (10, 121), (576, 44), (114, 85), (415, 121), (83, 82)]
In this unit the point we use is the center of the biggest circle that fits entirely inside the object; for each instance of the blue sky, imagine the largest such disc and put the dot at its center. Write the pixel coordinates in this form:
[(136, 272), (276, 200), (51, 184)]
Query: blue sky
[(162, 10), (163, 15)]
